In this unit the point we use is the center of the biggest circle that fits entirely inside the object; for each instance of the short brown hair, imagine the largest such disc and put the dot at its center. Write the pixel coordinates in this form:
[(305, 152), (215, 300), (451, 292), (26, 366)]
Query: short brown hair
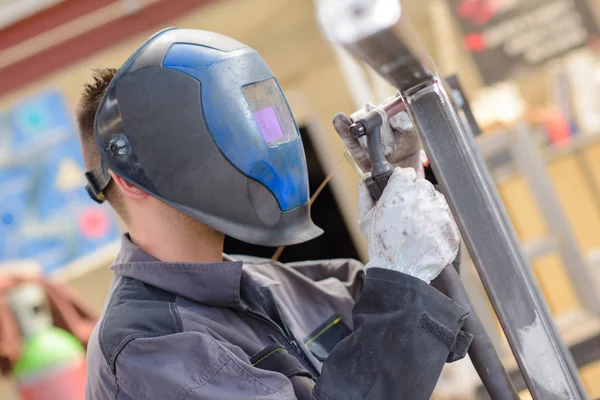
[(86, 113)]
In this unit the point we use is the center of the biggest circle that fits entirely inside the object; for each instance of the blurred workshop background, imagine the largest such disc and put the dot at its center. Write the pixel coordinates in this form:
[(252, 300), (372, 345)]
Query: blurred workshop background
[(530, 69)]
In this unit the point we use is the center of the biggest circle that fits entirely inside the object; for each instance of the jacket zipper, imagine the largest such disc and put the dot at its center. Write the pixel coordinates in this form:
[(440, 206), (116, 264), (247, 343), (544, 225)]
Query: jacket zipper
[(293, 341), (288, 336)]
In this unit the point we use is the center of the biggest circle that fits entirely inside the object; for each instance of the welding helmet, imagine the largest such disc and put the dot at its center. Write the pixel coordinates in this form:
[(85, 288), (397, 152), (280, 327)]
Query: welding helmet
[(198, 120)]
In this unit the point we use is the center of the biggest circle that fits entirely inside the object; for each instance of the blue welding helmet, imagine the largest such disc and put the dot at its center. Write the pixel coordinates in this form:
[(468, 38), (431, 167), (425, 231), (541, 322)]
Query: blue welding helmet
[(198, 120)]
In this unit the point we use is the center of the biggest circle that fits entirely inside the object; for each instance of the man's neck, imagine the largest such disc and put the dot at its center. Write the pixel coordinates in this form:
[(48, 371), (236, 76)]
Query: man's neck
[(180, 244)]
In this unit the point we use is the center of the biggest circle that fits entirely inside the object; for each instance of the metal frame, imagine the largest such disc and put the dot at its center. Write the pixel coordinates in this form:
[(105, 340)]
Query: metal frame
[(516, 147), (392, 50), (494, 248), (533, 168)]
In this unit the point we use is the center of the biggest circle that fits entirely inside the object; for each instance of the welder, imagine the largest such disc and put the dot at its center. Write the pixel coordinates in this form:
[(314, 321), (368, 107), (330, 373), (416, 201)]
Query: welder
[(191, 140)]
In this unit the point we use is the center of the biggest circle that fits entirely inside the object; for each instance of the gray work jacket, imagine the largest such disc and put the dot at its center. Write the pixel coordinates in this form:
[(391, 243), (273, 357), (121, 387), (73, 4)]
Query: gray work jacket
[(257, 329)]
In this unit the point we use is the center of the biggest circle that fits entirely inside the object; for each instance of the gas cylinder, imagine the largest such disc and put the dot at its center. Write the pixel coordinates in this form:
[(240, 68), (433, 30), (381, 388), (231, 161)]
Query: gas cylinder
[(52, 361)]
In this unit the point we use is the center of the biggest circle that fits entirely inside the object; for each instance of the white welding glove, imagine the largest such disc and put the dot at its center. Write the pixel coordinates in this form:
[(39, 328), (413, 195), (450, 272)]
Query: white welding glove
[(410, 229)]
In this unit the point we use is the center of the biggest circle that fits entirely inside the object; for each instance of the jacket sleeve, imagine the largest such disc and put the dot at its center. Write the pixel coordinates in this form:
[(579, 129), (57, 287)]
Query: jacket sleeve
[(350, 272), (404, 331)]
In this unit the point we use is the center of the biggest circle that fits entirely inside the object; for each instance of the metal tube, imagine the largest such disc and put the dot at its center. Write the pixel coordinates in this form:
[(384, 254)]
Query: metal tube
[(384, 40), (494, 248), (482, 353), (394, 107)]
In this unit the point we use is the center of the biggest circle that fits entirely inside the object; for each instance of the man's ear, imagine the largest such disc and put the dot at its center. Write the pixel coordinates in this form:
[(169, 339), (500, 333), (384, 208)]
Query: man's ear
[(128, 190)]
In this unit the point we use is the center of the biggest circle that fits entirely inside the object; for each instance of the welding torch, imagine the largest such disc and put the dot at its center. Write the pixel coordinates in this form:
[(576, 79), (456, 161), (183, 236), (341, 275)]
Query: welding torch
[(481, 351)]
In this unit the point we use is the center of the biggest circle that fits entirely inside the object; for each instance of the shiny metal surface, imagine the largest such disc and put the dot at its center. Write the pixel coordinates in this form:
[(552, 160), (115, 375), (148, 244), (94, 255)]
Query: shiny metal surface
[(356, 19), (394, 107), (400, 62), (390, 47)]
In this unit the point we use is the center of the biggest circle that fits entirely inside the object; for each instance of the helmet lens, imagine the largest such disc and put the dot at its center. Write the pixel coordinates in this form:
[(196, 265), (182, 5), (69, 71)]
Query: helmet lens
[(270, 112)]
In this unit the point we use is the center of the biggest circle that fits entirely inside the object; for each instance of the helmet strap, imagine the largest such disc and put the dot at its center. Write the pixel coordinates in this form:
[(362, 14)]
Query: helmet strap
[(97, 180)]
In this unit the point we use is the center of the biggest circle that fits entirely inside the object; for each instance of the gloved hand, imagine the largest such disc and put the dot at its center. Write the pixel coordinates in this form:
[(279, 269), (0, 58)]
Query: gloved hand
[(400, 142), (410, 229)]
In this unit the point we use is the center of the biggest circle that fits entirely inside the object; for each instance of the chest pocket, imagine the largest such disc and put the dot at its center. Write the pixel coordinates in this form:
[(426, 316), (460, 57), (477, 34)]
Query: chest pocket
[(276, 358), (323, 339)]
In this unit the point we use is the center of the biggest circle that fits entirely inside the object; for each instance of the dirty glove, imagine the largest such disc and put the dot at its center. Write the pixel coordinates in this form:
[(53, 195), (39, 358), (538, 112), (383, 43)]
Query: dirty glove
[(400, 142), (410, 229)]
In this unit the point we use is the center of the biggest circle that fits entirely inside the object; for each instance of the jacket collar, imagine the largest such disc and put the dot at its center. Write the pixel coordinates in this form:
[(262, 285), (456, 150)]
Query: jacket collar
[(215, 284)]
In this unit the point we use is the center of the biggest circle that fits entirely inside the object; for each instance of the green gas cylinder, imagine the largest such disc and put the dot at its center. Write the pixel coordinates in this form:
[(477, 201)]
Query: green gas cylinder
[(52, 361)]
